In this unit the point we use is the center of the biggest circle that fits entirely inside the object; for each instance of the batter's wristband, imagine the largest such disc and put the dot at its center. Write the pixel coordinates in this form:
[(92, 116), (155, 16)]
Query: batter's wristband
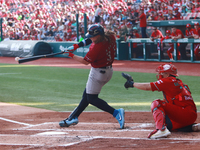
[(71, 55)]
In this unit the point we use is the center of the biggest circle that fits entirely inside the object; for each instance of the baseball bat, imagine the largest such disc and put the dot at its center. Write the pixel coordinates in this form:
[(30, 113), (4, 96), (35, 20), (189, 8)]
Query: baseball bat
[(23, 60)]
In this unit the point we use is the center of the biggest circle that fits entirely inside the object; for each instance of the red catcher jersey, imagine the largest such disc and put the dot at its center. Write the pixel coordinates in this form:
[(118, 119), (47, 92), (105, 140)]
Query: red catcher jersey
[(102, 54), (174, 91)]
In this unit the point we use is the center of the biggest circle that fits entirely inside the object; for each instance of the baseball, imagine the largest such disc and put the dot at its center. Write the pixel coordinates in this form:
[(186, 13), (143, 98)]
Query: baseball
[(17, 59)]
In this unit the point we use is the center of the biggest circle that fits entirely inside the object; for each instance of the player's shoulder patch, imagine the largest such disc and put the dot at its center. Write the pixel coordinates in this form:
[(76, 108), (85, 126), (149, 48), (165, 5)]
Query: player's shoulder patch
[(159, 81)]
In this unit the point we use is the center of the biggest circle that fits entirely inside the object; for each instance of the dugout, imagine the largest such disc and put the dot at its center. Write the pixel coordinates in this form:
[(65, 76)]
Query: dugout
[(167, 24), (152, 52), (24, 48)]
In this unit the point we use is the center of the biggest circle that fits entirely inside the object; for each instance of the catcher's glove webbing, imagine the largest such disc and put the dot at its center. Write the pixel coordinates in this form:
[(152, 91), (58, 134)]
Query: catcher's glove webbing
[(129, 82)]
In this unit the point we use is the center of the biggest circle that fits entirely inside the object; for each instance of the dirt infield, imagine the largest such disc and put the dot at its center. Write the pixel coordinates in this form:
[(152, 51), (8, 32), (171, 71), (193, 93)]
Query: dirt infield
[(31, 128)]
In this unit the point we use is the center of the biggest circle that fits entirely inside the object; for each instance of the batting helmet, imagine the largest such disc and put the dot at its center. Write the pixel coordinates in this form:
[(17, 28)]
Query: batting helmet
[(94, 30), (188, 25), (167, 68), (168, 31)]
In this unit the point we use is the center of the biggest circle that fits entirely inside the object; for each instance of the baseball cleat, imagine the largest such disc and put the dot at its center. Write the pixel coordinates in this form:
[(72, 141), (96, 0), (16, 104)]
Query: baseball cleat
[(120, 117), (67, 123), (196, 127), (159, 134)]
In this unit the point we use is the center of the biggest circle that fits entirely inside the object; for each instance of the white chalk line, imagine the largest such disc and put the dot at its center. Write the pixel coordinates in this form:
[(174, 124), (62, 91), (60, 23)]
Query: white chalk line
[(102, 137), (110, 137), (138, 125), (17, 122), (21, 144), (9, 73), (79, 130)]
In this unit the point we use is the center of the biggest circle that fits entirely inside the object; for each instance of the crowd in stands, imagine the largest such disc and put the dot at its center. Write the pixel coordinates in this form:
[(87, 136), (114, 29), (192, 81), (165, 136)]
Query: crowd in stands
[(56, 19)]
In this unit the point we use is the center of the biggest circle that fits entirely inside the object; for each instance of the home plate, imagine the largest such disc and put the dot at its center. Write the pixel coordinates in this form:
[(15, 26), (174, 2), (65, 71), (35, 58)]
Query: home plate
[(52, 133)]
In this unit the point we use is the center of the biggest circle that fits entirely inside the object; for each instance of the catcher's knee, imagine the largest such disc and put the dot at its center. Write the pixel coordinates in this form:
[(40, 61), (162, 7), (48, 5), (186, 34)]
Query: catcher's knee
[(155, 104)]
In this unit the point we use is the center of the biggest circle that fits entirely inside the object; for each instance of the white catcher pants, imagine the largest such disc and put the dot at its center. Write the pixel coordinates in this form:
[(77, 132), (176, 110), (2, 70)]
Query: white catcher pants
[(97, 78)]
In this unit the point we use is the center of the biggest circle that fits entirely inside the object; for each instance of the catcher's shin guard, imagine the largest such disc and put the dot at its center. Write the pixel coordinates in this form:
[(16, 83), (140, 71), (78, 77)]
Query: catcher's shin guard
[(158, 114)]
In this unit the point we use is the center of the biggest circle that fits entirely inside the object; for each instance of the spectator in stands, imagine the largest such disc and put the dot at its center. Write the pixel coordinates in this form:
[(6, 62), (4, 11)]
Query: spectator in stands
[(50, 32), (177, 15), (143, 23), (60, 26), (123, 31), (21, 16), (177, 3), (45, 31), (196, 9), (135, 49), (41, 35), (26, 37), (97, 13), (10, 20), (132, 18), (165, 17), (184, 2), (157, 34), (196, 35), (151, 8), (45, 13), (58, 38), (147, 15), (16, 37), (177, 34), (191, 6), (160, 17), (67, 37), (184, 9), (171, 16)]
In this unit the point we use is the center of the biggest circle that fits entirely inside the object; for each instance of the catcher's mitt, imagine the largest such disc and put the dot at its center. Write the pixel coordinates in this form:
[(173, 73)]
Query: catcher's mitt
[(129, 82)]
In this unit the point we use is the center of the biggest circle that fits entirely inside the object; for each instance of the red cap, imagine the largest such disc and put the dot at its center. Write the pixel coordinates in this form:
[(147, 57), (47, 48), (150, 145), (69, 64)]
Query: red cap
[(188, 25), (176, 8), (168, 31), (196, 24)]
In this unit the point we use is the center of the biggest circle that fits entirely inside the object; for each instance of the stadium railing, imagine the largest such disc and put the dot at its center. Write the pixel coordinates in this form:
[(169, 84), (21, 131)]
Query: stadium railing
[(151, 53)]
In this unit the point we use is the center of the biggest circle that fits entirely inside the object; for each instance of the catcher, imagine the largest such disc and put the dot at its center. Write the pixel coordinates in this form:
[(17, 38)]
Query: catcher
[(177, 111)]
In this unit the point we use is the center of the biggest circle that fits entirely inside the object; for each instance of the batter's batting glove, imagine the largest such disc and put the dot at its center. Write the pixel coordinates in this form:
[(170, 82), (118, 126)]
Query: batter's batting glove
[(129, 83), (72, 48)]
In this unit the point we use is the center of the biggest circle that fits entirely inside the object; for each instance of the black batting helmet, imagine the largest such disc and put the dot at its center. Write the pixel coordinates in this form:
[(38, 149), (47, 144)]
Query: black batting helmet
[(94, 30)]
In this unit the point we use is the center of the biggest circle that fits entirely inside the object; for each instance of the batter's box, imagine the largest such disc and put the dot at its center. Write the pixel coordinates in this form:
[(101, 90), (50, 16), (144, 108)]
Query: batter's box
[(89, 126)]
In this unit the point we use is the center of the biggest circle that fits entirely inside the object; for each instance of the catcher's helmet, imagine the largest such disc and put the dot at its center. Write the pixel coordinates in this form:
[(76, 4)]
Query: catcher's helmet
[(188, 25), (94, 30), (168, 31), (167, 68)]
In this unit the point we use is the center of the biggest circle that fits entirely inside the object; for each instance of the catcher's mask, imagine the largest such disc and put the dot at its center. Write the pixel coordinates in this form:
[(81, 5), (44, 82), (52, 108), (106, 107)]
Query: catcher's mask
[(166, 68)]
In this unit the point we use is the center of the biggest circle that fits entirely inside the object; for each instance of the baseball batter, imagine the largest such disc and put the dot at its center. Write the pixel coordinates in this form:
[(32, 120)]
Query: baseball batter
[(177, 112), (100, 56)]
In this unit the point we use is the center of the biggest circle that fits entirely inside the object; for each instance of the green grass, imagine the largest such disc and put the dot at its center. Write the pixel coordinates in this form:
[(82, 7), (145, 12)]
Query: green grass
[(60, 89)]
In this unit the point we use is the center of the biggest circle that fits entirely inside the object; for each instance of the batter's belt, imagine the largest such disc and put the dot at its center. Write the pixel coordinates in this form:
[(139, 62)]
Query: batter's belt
[(106, 67)]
